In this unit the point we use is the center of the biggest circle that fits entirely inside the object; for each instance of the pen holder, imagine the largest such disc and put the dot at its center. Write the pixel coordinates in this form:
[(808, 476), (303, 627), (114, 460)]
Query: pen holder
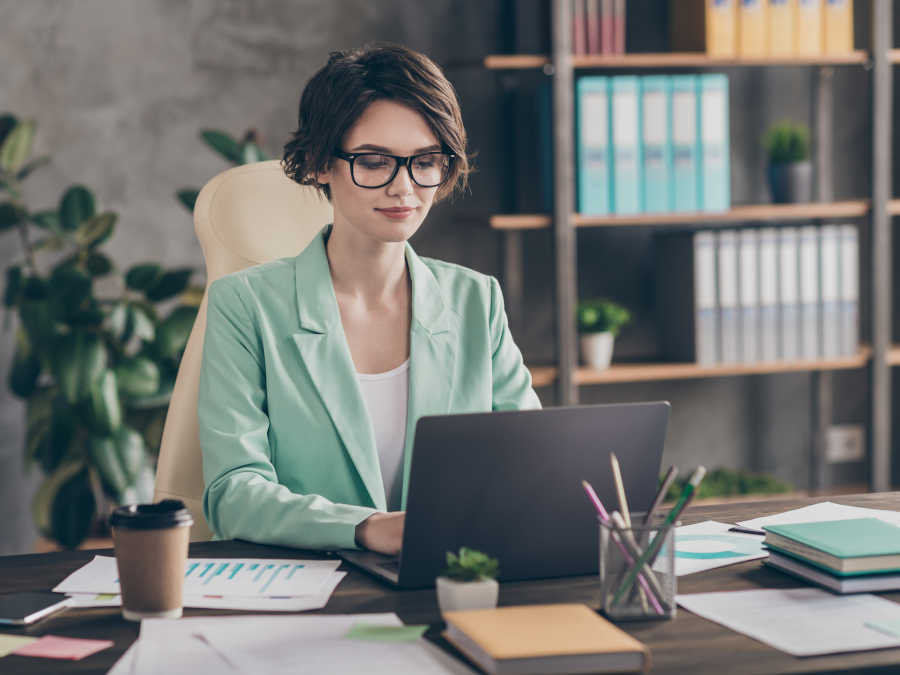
[(629, 592)]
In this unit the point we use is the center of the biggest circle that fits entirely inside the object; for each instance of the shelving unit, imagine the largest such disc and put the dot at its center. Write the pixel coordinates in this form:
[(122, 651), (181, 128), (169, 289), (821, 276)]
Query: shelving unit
[(567, 376)]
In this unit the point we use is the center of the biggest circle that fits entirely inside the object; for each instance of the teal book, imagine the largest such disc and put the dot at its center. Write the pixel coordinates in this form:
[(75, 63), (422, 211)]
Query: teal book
[(592, 145), (715, 188), (656, 134), (626, 143), (854, 546), (685, 144)]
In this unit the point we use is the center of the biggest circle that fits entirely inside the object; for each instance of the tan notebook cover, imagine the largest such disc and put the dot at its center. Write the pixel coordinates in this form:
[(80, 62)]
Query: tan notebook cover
[(530, 631)]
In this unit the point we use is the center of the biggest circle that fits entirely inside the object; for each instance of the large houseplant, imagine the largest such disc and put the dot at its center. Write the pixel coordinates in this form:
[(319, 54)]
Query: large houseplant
[(96, 373)]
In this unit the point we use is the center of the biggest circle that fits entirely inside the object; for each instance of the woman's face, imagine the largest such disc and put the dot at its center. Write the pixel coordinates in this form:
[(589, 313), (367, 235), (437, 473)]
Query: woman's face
[(394, 212)]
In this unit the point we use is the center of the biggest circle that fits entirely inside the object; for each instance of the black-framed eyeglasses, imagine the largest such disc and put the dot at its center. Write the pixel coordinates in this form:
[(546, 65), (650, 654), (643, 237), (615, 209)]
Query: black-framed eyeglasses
[(376, 169)]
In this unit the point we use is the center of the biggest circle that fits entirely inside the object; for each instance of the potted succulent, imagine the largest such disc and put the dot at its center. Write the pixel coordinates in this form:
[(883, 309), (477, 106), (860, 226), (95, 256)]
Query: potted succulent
[(468, 582), (599, 321), (790, 169)]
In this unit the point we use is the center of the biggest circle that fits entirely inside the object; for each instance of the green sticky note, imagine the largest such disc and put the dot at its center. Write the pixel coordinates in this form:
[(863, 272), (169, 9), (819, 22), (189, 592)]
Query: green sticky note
[(10, 643), (890, 627), (376, 632)]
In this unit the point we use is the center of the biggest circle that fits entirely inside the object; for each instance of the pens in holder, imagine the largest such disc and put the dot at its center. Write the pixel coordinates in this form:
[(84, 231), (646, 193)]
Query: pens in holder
[(620, 488), (661, 493), (604, 516), (635, 550), (652, 550)]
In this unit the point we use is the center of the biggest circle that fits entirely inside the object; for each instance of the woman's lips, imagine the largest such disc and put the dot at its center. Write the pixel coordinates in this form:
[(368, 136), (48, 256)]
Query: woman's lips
[(397, 213)]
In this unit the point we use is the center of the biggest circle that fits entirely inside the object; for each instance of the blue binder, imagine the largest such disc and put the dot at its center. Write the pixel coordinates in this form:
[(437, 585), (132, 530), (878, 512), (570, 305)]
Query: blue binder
[(626, 143), (592, 145), (714, 139), (656, 133), (685, 144)]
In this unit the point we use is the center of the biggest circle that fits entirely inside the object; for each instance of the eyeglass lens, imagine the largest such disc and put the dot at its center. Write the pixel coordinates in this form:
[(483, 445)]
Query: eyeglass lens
[(374, 170)]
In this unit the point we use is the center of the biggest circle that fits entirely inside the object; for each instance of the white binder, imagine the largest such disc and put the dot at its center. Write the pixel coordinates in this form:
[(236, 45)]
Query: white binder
[(769, 329), (788, 294), (809, 293), (705, 331), (849, 290), (748, 294), (729, 322), (830, 261)]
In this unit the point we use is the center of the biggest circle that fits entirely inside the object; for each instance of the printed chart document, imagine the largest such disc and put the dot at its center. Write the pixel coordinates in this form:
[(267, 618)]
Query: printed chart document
[(802, 621), (707, 545), (822, 512)]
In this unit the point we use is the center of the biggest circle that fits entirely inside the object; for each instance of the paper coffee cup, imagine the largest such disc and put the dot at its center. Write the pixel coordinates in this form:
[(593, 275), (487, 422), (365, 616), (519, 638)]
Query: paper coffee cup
[(151, 542)]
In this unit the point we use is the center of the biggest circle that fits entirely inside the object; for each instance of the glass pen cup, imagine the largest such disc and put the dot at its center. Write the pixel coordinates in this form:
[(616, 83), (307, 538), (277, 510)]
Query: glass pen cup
[(628, 592)]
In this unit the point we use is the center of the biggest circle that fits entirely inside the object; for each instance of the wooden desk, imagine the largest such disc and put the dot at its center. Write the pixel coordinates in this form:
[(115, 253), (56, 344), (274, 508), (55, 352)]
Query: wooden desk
[(687, 644)]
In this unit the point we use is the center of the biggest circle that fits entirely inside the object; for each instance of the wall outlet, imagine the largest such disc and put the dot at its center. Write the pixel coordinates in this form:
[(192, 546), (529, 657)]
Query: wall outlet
[(845, 443)]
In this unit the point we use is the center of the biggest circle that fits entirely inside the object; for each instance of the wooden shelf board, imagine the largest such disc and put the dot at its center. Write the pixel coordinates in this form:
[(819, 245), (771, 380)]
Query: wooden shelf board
[(846, 209), (893, 356), (686, 371), (542, 376), (672, 60)]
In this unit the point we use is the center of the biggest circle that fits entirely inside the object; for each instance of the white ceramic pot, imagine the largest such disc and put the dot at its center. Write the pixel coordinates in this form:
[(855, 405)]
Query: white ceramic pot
[(454, 595), (597, 349)]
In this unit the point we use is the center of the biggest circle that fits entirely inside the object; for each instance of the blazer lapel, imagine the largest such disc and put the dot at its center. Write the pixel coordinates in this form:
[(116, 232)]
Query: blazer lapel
[(326, 355)]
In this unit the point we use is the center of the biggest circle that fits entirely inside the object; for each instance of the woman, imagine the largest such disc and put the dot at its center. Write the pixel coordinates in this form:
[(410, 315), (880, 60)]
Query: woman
[(316, 368)]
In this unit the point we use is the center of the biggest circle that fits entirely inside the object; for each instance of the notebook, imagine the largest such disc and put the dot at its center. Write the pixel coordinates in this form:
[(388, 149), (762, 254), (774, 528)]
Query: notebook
[(865, 583), (530, 639), (855, 546)]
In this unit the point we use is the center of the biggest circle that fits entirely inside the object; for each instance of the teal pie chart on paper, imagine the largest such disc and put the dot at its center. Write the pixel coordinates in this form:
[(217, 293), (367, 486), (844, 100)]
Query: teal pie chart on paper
[(715, 546)]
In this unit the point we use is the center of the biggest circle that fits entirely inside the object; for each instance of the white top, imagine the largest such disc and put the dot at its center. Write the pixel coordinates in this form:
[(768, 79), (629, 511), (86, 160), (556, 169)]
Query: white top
[(385, 396)]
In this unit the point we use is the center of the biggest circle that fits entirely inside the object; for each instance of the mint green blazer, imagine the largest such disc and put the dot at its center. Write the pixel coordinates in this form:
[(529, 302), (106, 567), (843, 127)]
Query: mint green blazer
[(289, 453)]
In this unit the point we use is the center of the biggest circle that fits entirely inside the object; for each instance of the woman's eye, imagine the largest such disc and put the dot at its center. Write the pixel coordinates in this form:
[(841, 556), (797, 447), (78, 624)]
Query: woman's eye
[(373, 161)]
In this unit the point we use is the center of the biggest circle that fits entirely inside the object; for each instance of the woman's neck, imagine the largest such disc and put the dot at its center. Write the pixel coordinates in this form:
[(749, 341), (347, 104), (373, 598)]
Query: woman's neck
[(366, 270)]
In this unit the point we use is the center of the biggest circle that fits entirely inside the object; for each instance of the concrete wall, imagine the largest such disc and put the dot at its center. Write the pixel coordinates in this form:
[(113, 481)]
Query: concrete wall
[(121, 89)]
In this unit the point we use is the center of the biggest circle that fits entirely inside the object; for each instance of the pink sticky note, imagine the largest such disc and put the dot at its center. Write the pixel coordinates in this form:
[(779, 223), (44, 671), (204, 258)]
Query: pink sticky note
[(56, 647)]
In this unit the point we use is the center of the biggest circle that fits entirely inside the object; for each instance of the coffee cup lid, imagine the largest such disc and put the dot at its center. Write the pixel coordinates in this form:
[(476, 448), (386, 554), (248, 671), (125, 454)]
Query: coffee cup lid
[(158, 516)]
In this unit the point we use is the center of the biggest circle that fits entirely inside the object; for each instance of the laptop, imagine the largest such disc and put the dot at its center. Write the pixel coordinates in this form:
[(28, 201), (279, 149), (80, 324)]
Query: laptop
[(509, 483)]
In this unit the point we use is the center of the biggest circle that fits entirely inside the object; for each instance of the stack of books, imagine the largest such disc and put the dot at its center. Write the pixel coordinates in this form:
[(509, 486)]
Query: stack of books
[(598, 26), (760, 28), (859, 555), (756, 295)]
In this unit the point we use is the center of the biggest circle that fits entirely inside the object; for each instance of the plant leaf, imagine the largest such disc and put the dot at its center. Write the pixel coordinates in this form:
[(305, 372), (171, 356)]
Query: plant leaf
[(252, 153), (10, 216), (138, 376), (70, 286), (169, 284), (98, 264), (42, 504), (17, 146), (132, 452), (224, 144), (76, 206), (173, 332), (79, 361), (188, 197), (105, 457), (106, 410), (142, 323), (96, 229), (73, 511), (23, 375), (31, 166), (7, 124), (141, 277), (49, 220), (13, 285)]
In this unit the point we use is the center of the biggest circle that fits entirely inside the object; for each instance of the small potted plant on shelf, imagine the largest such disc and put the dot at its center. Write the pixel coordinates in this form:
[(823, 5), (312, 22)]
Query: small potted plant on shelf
[(790, 169), (468, 582), (599, 321)]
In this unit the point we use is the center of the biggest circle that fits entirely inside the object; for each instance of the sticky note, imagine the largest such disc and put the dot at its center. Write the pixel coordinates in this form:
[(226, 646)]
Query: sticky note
[(56, 647), (372, 632), (886, 627), (10, 643)]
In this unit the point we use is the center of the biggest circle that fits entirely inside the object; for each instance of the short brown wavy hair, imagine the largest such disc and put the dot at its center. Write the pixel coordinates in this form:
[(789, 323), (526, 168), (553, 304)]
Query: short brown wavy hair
[(338, 94)]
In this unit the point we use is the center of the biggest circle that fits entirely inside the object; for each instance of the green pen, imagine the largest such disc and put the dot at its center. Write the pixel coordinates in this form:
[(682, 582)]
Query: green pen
[(686, 495)]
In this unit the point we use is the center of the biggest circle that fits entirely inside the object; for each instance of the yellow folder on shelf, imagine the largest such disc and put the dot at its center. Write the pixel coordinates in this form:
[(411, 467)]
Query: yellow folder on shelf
[(752, 28), (808, 28), (838, 26), (780, 21), (721, 27)]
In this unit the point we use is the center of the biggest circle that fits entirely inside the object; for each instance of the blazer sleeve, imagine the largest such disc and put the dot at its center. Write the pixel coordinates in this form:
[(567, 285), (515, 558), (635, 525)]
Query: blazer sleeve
[(511, 379), (242, 497)]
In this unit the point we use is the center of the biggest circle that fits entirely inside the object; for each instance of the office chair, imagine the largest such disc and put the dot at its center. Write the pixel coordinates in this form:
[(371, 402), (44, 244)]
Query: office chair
[(246, 215)]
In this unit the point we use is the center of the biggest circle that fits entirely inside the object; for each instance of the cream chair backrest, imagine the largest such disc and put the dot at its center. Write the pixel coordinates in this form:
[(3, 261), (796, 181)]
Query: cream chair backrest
[(247, 215)]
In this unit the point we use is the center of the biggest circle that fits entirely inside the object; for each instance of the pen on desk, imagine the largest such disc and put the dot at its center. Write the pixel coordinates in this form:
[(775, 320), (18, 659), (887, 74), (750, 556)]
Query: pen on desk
[(604, 516), (620, 488), (687, 494), (661, 493), (746, 530)]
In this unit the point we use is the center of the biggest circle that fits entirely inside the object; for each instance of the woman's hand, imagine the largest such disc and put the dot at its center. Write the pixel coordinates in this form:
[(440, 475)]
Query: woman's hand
[(382, 532)]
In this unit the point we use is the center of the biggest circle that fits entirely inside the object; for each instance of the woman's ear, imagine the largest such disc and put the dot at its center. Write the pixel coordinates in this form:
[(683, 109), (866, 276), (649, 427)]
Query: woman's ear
[(323, 177)]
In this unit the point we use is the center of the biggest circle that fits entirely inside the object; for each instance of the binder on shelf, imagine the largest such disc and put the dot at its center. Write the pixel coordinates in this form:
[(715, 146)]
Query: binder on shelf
[(593, 26), (727, 297), (626, 145), (849, 290), (607, 42), (780, 27), (618, 26), (708, 26), (769, 329), (592, 148), (808, 28), (656, 93), (748, 294), (686, 296), (808, 259), (837, 27), (830, 260), (788, 294), (685, 144), (579, 26), (715, 163), (752, 28)]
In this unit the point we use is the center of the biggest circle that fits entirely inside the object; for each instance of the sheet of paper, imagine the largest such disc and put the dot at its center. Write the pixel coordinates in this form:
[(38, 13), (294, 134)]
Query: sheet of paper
[(801, 621), (706, 545), (125, 664), (217, 576), (58, 647), (10, 643), (822, 512)]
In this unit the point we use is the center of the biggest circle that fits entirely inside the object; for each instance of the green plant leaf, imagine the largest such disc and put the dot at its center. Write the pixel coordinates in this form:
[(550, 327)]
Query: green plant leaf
[(105, 407), (188, 197), (70, 286), (132, 452), (38, 421), (13, 285), (169, 284), (17, 146), (52, 447), (98, 264), (10, 216), (7, 124), (138, 376), (159, 399), (142, 277), (73, 511), (105, 457), (223, 144), (95, 230), (49, 220), (143, 324), (192, 296), (251, 153), (23, 375), (79, 361), (42, 504), (32, 166), (173, 332), (76, 206)]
